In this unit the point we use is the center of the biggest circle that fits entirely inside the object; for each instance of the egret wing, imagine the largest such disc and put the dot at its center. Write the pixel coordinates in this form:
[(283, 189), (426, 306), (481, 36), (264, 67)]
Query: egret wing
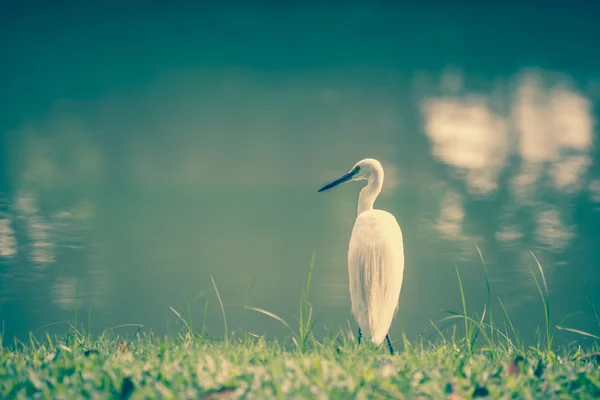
[(375, 266)]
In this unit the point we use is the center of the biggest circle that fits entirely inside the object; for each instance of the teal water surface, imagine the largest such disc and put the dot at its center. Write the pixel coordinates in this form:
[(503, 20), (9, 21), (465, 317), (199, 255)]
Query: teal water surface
[(146, 150)]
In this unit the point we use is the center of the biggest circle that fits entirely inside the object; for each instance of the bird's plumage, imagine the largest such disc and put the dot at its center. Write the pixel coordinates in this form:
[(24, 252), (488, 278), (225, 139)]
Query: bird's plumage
[(375, 256), (375, 269)]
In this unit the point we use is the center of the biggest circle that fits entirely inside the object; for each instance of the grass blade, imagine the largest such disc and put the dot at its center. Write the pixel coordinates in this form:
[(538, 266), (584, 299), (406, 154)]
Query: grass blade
[(512, 327), (190, 317), (583, 333), (545, 303), (464, 304), (222, 309), (438, 330), (489, 290), (272, 315), (589, 297), (469, 319), (180, 317), (204, 318), (129, 325)]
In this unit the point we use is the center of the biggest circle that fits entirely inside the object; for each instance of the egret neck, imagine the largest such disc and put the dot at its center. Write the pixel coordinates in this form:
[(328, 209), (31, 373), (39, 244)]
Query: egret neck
[(369, 193)]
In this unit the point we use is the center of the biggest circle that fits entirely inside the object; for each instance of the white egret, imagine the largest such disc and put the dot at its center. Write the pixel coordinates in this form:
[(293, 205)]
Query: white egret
[(375, 257)]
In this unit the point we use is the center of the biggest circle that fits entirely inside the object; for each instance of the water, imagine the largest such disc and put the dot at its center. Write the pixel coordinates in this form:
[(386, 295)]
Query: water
[(148, 150)]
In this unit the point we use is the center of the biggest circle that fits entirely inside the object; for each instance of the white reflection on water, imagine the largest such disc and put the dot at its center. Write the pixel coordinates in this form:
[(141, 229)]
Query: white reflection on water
[(554, 127), (64, 292), (567, 172), (552, 231), (547, 129), (8, 242), (451, 216), (41, 244), (467, 135), (509, 235), (48, 245), (524, 185), (594, 189)]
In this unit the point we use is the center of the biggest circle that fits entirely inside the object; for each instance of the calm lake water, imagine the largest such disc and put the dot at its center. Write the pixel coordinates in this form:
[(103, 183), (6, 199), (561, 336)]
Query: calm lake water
[(146, 150)]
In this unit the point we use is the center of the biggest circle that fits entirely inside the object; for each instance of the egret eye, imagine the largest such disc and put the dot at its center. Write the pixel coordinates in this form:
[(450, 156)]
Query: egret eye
[(357, 169)]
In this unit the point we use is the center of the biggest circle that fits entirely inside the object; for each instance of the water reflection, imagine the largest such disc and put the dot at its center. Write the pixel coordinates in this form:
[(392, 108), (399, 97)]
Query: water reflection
[(64, 292), (451, 216), (8, 242), (594, 190), (44, 254), (41, 246), (544, 126), (142, 208), (551, 231), (468, 136), (509, 235), (554, 128)]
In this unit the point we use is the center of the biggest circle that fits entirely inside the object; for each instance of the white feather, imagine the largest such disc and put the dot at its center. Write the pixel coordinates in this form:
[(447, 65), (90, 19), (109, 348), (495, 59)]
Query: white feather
[(375, 268)]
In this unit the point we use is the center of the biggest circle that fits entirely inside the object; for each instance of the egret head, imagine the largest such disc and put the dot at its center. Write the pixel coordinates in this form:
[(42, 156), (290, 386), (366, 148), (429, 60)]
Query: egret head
[(364, 169)]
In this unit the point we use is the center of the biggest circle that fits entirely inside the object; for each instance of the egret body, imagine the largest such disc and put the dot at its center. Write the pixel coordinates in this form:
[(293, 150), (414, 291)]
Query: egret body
[(375, 257)]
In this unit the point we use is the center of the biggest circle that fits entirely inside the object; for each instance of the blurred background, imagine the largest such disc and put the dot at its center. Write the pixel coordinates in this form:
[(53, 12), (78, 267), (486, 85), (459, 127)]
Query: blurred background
[(146, 148)]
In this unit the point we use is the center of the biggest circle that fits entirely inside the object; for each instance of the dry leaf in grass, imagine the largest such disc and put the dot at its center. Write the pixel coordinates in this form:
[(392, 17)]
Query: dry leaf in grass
[(514, 368)]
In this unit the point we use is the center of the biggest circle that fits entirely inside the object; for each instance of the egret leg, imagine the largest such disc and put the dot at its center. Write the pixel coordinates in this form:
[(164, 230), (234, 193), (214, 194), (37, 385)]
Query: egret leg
[(359, 335), (387, 338)]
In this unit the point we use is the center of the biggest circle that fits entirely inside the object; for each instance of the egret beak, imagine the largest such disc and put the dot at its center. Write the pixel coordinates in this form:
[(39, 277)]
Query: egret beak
[(342, 179)]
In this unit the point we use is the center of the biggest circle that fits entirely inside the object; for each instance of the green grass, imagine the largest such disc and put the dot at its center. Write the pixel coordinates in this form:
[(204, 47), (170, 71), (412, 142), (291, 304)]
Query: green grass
[(194, 367), (481, 361)]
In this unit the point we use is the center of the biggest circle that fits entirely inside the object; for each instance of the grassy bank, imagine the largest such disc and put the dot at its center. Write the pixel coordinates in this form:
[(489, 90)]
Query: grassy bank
[(469, 356), (193, 367)]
